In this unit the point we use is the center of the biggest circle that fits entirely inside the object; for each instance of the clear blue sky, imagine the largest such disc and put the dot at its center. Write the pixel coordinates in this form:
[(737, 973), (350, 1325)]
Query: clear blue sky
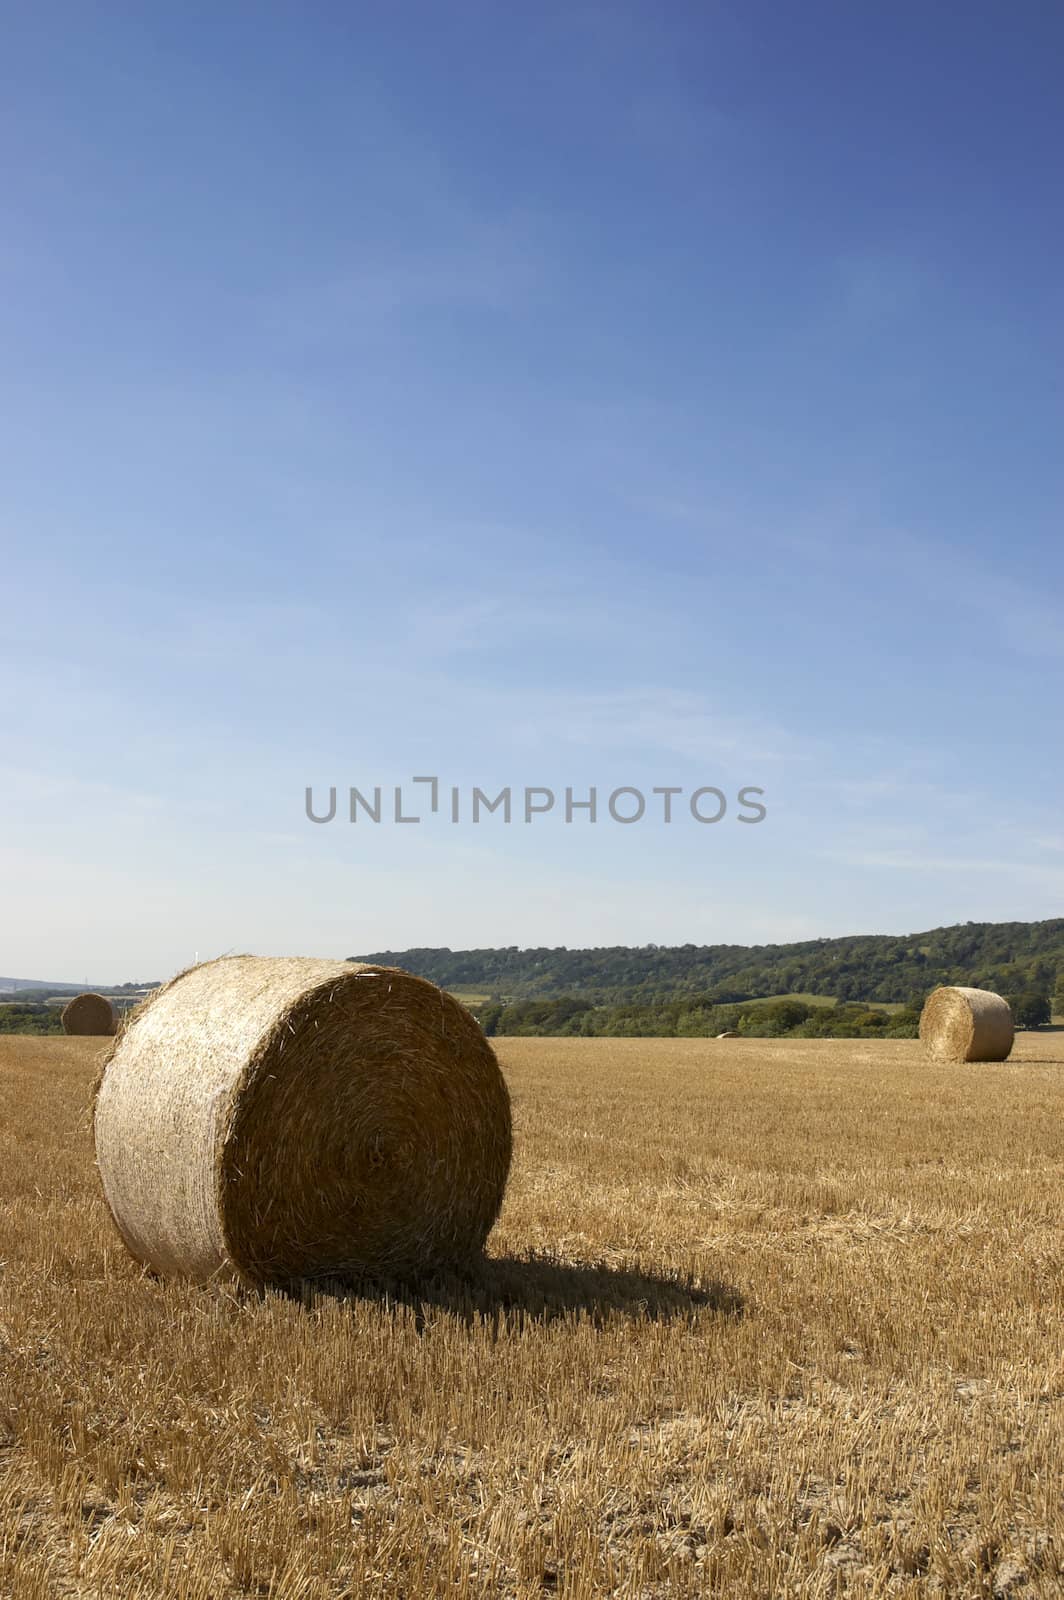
[(575, 394)]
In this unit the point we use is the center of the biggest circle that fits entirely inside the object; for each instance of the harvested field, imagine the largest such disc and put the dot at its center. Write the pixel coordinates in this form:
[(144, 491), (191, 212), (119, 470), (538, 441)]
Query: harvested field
[(762, 1319)]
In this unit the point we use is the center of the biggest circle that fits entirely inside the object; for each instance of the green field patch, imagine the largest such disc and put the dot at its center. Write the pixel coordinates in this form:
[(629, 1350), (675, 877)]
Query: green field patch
[(828, 1000), (470, 997)]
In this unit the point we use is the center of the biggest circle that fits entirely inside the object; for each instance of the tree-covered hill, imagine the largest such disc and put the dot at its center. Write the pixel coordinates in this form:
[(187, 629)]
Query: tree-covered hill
[(1010, 957)]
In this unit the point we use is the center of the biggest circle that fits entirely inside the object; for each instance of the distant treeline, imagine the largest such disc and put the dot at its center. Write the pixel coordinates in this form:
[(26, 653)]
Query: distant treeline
[(21, 1017), (679, 1019), (1012, 958), (28, 1012)]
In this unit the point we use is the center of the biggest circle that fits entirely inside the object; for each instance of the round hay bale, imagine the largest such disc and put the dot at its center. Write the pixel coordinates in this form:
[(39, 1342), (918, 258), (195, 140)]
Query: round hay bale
[(966, 1025), (730, 1034), (89, 1014), (284, 1119)]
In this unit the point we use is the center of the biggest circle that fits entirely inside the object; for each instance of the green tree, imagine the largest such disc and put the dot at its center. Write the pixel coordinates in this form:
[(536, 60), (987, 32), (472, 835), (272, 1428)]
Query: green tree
[(788, 1014), (488, 1016), (1031, 1009)]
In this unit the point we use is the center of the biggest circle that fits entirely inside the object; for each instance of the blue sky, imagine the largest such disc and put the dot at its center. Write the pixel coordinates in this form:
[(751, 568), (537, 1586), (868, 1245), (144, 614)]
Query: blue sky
[(591, 394)]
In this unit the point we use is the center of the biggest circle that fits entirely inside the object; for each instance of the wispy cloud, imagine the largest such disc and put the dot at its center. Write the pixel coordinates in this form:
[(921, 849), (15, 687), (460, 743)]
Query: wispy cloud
[(643, 722), (36, 793), (495, 266), (966, 586), (879, 286), (918, 861)]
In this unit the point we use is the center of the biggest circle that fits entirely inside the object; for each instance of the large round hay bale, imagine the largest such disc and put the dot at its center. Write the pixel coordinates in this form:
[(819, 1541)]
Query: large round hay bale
[(90, 1014), (285, 1119), (959, 1024)]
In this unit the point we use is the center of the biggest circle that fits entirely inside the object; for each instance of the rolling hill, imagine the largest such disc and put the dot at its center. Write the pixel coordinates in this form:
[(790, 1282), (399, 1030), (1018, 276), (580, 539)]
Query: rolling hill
[(1005, 956)]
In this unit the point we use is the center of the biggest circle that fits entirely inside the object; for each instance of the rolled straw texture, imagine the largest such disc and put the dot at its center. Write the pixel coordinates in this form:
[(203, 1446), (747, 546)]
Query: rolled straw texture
[(285, 1119), (89, 1014), (960, 1024)]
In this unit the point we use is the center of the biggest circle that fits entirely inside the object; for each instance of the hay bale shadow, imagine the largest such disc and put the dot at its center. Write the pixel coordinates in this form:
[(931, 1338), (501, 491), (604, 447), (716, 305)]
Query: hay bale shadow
[(511, 1291)]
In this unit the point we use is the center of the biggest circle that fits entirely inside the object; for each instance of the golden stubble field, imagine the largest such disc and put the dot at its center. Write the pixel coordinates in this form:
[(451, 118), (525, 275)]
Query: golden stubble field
[(762, 1319)]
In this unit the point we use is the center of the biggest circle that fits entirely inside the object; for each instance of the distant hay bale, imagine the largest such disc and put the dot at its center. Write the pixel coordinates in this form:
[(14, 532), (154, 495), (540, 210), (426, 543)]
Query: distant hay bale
[(730, 1034), (959, 1024), (89, 1014), (284, 1119)]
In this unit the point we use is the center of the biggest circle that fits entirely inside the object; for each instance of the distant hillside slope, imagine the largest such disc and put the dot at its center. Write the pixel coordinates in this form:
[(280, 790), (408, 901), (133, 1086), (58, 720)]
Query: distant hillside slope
[(14, 985), (1006, 956)]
